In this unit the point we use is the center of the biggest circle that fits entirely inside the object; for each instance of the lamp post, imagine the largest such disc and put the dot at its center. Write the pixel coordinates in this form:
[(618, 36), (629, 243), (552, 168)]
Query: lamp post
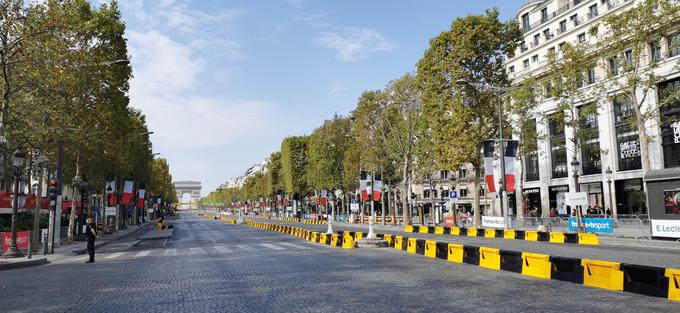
[(612, 205), (498, 92), (17, 166), (574, 168), (39, 163), (371, 233)]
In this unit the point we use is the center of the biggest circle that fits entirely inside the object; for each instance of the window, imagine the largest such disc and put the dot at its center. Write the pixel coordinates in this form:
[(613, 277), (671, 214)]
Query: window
[(551, 50), (590, 139), (548, 89), (563, 26), (534, 58), (531, 158), (511, 69), (544, 15), (462, 173), (656, 51), (561, 46), (526, 63), (523, 46), (670, 121), (590, 76), (674, 45), (582, 37), (547, 34), (628, 57), (444, 174), (463, 193), (627, 138), (614, 66), (574, 19), (558, 149), (592, 11), (525, 21), (537, 39), (482, 192)]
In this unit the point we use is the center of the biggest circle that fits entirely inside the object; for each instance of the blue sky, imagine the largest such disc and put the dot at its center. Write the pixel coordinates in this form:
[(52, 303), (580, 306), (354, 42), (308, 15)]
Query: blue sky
[(223, 82)]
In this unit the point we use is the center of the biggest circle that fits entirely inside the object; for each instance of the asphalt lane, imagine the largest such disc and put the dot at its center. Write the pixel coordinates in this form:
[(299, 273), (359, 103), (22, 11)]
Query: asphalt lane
[(211, 266)]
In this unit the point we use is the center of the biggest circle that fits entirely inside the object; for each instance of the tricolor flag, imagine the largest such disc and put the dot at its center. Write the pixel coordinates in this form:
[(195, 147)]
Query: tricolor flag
[(488, 165), (127, 192), (111, 192), (363, 186), (142, 193), (510, 157), (377, 187)]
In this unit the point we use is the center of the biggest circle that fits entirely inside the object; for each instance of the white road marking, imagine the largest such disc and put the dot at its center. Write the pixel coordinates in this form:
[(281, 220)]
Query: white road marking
[(246, 247), (294, 246), (196, 250), (142, 254), (113, 255), (170, 252), (81, 258), (271, 246), (222, 249)]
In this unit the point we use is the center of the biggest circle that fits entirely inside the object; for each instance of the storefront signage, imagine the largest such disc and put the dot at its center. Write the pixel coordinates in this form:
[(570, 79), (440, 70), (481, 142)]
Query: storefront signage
[(532, 190), (629, 149), (22, 240), (593, 225), (676, 132), (559, 188), (666, 228), (576, 198), (493, 221)]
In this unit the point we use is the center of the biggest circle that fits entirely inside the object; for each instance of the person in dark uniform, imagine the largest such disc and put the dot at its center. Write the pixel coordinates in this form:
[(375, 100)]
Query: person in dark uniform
[(91, 233)]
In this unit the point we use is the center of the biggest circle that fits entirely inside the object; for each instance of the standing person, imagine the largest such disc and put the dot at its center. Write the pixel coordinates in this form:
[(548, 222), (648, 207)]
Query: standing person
[(91, 233)]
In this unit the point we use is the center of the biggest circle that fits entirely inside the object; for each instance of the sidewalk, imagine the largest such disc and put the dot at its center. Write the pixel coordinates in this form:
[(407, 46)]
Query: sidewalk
[(69, 250)]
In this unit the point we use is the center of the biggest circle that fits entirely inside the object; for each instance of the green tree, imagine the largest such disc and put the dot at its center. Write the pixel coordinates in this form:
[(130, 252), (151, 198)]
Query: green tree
[(294, 164), (325, 152)]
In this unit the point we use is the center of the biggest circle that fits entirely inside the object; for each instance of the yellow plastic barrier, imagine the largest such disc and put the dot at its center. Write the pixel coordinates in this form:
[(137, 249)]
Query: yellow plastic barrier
[(531, 235), (455, 231), (408, 228), (389, 239), (455, 253), (334, 240), (398, 242), (323, 238), (430, 248), (490, 258), (423, 229), (588, 239), (439, 230), (556, 237), (536, 265), (358, 236), (411, 245), (490, 233), (347, 242), (315, 237), (308, 235), (472, 232), (673, 284), (602, 274), (509, 234)]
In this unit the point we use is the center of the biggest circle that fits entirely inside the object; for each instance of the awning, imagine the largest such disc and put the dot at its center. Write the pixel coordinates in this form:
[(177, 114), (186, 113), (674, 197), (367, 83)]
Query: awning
[(663, 174)]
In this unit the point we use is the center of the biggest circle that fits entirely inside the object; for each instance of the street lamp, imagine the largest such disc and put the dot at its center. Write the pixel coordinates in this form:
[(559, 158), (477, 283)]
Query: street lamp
[(17, 165), (498, 92), (575, 168), (612, 205)]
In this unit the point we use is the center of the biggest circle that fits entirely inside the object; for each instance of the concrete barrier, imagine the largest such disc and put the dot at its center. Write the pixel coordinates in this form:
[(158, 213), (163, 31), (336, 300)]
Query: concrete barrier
[(536, 265), (336, 240), (490, 233), (645, 280), (411, 245), (588, 239), (455, 231), (439, 230), (408, 228), (441, 250), (472, 232), (430, 249), (471, 255), (490, 258), (673, 276), (509, 234), (323, 238), (531, 235), (566, 269), (390, 240), (455, 253), (399, 242), (511, 261), (602, 274), (556, 237), (347, 241)]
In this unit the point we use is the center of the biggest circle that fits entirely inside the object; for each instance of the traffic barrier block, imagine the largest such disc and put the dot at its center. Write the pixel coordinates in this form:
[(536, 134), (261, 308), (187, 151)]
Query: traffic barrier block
[(499, 233), (511, 261), (315, 237), (531, 235), (323, 238), (645, 280), (358, 236), (455, 231), (411, 245), (334, 240), (536, 265), (481, 232), (441, 252), (602, 274), (390, 240), (588, 239), (439, 230), (490, 233), (570, 238), (519, 234), (455, 253), (308, 235), (509, 234), (420, 246), (463, 231), (490, 258), (673, 276), (423, 229), (472, 232), (543, 236), (408, 228), (347, 242), (399, 243), (556, 237), (471, 255), (430, 249), (566, 269)]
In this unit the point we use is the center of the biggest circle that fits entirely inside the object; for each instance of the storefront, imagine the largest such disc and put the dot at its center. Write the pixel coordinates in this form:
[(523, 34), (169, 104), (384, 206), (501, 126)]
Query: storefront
[(556, 195), (594, 190), (663, 188), (532, 201), (630, 197)]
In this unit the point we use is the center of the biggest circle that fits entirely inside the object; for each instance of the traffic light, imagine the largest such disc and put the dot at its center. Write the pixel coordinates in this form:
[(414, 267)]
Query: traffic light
[(53, 190)]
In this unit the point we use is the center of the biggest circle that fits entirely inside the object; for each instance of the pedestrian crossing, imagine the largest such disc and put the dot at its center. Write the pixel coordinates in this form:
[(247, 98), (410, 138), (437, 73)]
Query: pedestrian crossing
[(195, 251)]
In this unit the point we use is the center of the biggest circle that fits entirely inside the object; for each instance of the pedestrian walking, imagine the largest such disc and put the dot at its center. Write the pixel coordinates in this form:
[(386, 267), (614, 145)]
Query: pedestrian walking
[(91, 233)]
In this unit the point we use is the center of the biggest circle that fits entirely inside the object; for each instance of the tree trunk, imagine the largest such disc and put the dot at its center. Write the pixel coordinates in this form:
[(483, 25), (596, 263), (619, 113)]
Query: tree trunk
[(477, 211), (644, 143)]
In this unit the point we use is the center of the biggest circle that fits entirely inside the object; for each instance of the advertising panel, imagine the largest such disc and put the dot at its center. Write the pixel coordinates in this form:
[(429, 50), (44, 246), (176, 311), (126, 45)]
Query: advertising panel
[(493, 221), (593, 225), (666, 228), (22, 240)]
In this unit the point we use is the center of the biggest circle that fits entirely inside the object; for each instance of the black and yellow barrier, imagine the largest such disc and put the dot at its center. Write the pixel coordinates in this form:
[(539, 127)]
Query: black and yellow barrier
[(529, 235), (602, 274), (289, 219), (490, 258), (314, 222)]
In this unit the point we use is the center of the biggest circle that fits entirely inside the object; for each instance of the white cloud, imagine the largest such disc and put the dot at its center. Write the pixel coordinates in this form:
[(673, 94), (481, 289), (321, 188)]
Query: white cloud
[(338, 88), (354, 43)]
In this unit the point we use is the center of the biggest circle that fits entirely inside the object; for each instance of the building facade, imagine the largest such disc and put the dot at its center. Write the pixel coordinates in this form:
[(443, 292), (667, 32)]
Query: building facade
[(612, 143)]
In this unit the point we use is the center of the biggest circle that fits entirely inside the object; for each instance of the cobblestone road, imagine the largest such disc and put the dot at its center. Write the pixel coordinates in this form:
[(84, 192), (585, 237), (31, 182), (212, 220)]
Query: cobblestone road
[(209, 266)]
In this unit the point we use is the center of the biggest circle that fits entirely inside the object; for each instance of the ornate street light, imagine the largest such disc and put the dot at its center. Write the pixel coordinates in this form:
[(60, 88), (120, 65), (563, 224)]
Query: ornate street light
[(609, 174), (17, 165), (575, 166)]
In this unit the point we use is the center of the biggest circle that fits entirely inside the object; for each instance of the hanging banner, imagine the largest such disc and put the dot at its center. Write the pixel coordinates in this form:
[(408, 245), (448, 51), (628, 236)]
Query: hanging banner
[(363, 185), (127, 192), (488, 165), (377, 187), (510, 158)]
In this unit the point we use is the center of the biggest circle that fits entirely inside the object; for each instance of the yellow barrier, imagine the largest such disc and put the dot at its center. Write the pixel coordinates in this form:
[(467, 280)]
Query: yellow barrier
[(389, 239), (531, 235), (556, 237), (315, 237), (408, 228), (430, 248), (308, 235), (536, 265), (455, 231), (323, 238), (602, 274), (398, 242), (358, 236), (472, 232), (509, 234), (347, 242), (490, 233), (411, 245), (673, 284), (423, 229), (439, 230), (490, 258), (334, 240), (455, 253), (588, 239)]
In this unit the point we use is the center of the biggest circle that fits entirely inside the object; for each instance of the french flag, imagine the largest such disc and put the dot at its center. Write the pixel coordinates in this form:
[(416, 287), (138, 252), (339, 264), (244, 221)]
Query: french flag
[(510, 158), (377, 187), (488, 165), (142, 193), (363, 185), (127, 192)]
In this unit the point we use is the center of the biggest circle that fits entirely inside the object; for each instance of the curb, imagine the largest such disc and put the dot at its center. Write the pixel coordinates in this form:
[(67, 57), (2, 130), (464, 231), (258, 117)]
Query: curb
[(108, 241), (18, 265)]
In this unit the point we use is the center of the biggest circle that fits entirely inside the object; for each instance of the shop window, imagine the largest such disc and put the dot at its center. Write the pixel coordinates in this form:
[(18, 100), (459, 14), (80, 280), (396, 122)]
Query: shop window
[(590, 140), (558, 150), (669, 97), (671, 201), (627, 138)]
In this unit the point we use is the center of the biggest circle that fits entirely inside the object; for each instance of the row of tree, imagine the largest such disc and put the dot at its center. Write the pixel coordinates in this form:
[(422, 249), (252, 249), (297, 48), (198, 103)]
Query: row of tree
[(424, 122), (65, 78)]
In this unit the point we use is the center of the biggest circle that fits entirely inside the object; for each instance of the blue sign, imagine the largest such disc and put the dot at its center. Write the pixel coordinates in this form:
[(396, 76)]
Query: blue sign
[(453, 194), (444, 210), (593, 225), (341, 218)]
